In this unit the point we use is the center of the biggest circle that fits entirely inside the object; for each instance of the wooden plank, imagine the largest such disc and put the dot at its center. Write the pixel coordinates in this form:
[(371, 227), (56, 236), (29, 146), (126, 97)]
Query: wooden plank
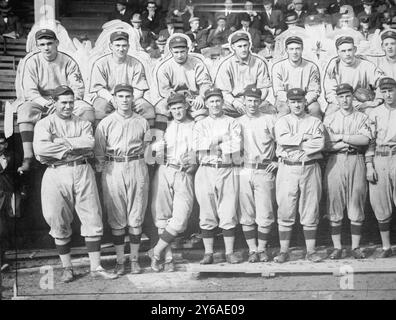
[(7, 79), (16, 53), (6, 86), (7, 95), (7, 65), (8, 72), (7, 58)]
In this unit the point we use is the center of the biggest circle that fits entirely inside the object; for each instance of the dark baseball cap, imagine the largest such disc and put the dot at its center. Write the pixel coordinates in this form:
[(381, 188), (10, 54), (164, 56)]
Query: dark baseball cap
[(62, 90), (344, 39), (295, 94), (119, 35), (176, 98), (252, 91), (293, 39), (388, 34), (177, 42), (213, 92), (45, 33), (344, 88), (387, 83), (123, 87), (239, 36)]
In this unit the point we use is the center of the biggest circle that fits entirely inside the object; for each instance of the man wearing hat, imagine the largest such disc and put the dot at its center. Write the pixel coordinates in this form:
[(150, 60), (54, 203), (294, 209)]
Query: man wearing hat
[(300, 11), (170, 28), (296, 72), (181, 73), (257, 200), (121, 12), (10, 25), (219, 36), (268, 51), (300, 139), (272, 19), (387, 63), (198, 36), (291, 20), (381, 161), (173, 184), (159, 51), (151, 18), (365, 29), (120, 143), (346, 67), (146, 37), (373, 18), (255, 35), (217, 141), (114, 68), (230, 15), (239, 70), (64, 143), (42, 71), (347, 137)]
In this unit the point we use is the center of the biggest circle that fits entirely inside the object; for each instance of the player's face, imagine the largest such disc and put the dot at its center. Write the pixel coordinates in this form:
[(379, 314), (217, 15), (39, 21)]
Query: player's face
[(215, 106), (124, 100), (180, 54), (389, 46), (178, 111), (297, 107), (346, 52), (64, 106), (120, 7), (268, 6), (345, 100), (252, 104), (245, 24), (221, 23), (241, 49), (194, 25), (119, 48), (48, 48), (389, 96), (294, 51)]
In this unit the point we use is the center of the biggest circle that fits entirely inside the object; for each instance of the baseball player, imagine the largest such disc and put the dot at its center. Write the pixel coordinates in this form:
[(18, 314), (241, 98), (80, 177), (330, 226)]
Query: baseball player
[(347, 136), (300, 139), (380, 161), (173, 184), (296, 72), (43, 71), (120, 142), (349, 68), (181, 73), (387, 63), (217, 140), (64, 142), (114, 68), (239, 70), (257, 177)]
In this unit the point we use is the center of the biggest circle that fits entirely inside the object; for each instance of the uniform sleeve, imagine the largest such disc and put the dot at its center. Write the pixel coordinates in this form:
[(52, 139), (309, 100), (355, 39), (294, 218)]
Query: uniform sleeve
[(234, 140), (86, 140), (328, 134), (43, 144), (364, 128), (277, 82), (98, 80), (263, 78), (202, 77), (100, 143), (148, 136), (139, 80), (200, 140), (224, 81), (313, 91), (317, 142), (372, 119), (284, 136), (29, 83), (164, 84), (376, 74), (75, 79), (330, 82)]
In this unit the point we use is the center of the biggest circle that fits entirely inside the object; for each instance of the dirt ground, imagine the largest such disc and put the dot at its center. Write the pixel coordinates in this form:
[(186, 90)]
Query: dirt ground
[(41, 282)]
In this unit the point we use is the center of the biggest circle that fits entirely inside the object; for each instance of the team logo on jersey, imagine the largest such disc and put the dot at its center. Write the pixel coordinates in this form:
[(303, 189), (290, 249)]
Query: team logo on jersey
[(78, 77)]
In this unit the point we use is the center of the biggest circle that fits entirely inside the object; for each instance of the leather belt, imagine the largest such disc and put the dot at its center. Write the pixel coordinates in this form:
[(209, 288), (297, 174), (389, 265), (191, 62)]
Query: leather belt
[(390, 152), (218, 165), (125, 158), (348, 152), (70, 164), (257, 165), (299, 163), (178, 167)]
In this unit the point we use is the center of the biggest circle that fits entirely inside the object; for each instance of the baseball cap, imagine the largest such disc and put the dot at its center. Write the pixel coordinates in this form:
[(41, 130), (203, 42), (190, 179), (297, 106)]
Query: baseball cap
[(387, 83), (295, 94), (177, 42), (123, 87), (344, 39), (119, 35), (388, 34), (62, 90), (293, 39), (252, 91), (45, 33), (176, 98), (244, 16), (344, 88), (239, 36), (213, 92)]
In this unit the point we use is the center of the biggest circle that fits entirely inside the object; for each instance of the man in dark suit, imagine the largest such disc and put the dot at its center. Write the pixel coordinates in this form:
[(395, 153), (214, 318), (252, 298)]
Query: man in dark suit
[(151, 18), (10, 25), (281, 5), (255, 34), (199, 37), (368, 11), (301, 13), (230, 15), (146, 36), (272, 19), (219, 36), (170, 28), (122, 12), (255, 17)]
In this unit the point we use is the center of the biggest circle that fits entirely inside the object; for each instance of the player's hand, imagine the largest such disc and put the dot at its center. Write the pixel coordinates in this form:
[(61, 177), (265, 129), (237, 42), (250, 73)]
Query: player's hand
[(198, 103), (365, 105), (271, 167), (63, 142), (239, 106), (337, 137), (138, 109), (371, 174), (99, 167), (191, 169)]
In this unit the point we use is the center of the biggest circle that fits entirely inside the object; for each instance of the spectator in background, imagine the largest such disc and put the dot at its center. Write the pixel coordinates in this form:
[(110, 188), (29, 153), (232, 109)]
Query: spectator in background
[(145, 36), (170, 28), (255, 18), (198, 36), (272, 19), (121, 12), (181, 11), (281, 5), (345, 16), (368, 11), (269, 46), (151, 18), (301, 13), (364, 27), (320, 8), (255, 34), (291, 19), (10, 26), (158, 52), (230, 16), (219, 36)]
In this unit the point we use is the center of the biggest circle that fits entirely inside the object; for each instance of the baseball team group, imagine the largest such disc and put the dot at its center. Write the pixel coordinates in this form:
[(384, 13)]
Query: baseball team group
[(214, 139)]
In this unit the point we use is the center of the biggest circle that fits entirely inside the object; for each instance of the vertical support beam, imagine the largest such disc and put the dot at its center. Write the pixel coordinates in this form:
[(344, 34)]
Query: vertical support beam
[(44, 10)]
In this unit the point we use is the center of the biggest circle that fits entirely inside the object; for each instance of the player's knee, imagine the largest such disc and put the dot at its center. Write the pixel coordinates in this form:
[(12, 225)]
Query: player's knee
[(102, 108), (29, 112), (282, 108), (162, 108), (315, 110)]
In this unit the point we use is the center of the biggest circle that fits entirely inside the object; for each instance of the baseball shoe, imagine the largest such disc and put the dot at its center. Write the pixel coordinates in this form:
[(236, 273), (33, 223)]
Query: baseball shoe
[(232, 258), (336, 254), (357, 253), (207, 258), (135, 267), (264, 256), (169, 266), (385, 253), (67, 275), (253, 257), (26, 165), (313, 257), (155, 264), (282, 257), (104, 274), (119, 269)]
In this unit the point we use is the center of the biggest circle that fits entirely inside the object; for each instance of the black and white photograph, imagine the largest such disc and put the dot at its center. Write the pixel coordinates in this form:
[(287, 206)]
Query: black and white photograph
[(196, 154)]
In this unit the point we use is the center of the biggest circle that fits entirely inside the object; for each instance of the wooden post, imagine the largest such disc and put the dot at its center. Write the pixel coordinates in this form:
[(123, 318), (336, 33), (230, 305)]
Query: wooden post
[(44, 10)]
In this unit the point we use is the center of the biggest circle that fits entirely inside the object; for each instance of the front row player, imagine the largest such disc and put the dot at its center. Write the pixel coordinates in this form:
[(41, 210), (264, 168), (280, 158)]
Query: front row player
[(121, 140), (300, 139), (381, 161), (64, 143), (347, 136)]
